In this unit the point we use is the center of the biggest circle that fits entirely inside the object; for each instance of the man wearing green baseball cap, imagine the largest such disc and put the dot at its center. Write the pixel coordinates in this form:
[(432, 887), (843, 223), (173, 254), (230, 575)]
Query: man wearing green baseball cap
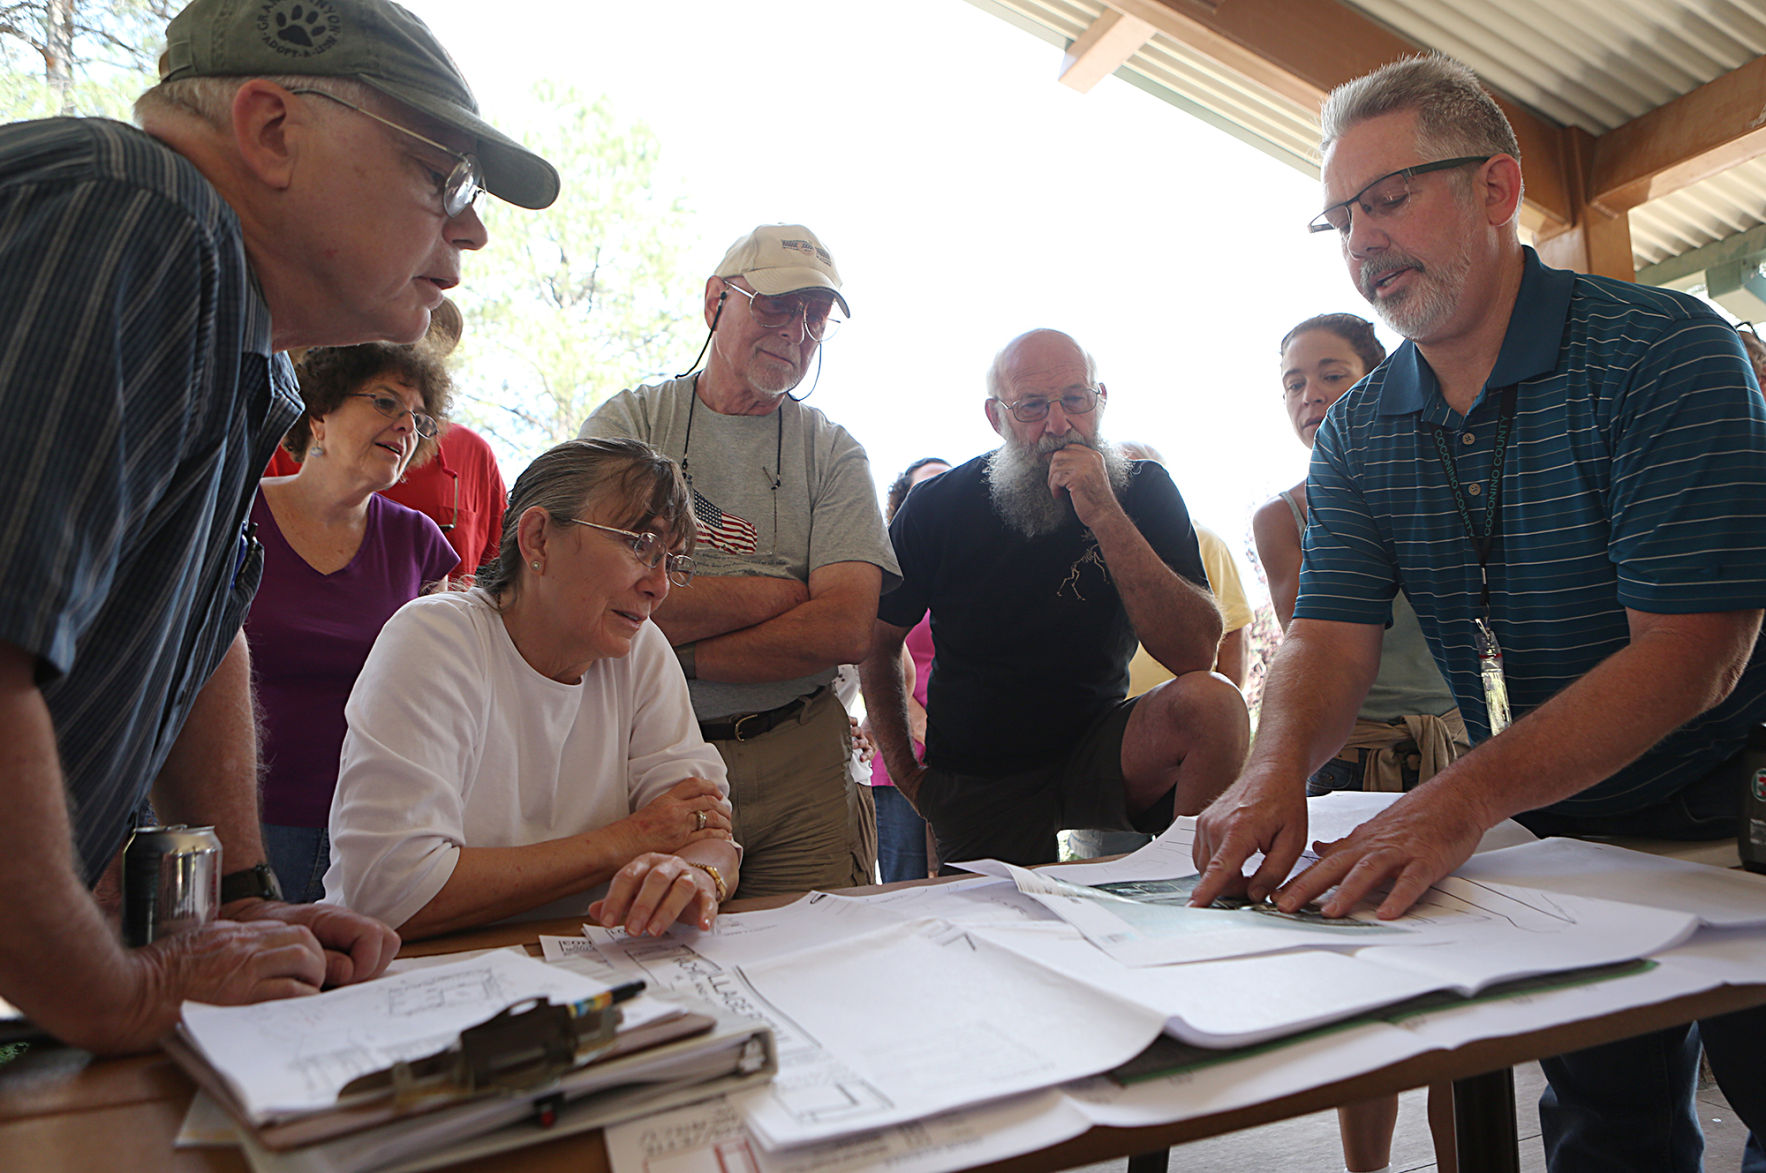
[(304, 174)]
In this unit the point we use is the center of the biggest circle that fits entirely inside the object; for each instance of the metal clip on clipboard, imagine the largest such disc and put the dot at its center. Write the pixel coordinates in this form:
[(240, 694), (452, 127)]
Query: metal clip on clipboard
[(517, 1049)]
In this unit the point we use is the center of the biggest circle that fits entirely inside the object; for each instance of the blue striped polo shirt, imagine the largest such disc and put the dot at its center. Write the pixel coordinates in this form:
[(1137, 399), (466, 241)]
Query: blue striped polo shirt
[(1635, 477), (139, 401)]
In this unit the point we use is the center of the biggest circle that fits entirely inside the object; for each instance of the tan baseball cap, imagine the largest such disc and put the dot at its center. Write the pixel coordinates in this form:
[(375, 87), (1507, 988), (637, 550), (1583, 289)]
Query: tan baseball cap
[(375, 42), (783, 258)]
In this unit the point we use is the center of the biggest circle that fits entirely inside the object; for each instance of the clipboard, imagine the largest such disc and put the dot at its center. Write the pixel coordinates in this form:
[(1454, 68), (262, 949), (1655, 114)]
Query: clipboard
[(736, 1053), (632, 1053)]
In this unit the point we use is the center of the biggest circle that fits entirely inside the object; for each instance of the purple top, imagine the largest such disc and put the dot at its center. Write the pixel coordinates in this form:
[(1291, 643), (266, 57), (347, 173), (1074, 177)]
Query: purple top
[(919, 646), (309, 635)]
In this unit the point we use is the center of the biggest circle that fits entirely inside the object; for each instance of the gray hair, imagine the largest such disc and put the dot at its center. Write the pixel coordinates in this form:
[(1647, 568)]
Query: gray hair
[(642, 482), (1454, 115), (996, 373), (210, 99)]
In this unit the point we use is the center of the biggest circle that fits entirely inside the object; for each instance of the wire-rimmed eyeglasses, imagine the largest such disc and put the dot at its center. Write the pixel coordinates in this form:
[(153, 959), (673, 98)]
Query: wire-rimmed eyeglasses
[(821, 313), (1073, 401), (458, 189), (648, 549), (392, 407), (1386, 194)]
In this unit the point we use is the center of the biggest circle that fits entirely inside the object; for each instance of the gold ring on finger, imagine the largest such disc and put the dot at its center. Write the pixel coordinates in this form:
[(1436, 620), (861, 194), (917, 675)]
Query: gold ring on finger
[(700, 815)]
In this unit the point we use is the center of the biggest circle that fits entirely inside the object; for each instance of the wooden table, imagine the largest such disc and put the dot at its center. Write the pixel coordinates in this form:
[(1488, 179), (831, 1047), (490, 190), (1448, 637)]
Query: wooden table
[(63, 1111)]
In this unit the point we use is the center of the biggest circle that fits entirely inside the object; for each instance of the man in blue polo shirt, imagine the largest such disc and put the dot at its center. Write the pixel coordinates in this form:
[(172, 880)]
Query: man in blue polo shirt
[(1567, 477)]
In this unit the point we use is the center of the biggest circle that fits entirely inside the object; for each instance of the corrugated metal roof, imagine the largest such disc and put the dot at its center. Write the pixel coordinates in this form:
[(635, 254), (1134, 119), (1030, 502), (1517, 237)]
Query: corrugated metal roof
[(1595, 64)]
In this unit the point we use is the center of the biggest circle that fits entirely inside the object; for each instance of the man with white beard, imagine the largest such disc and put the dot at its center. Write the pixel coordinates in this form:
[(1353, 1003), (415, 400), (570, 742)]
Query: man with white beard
[(1564, 475), (1042, 564)]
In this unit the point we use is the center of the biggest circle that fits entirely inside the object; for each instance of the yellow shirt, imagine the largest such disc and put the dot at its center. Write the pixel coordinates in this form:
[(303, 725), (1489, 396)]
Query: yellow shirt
[(1229, 594)]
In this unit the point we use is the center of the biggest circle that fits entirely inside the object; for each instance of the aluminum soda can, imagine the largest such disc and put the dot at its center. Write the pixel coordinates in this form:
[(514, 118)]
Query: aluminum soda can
[(171, 881)]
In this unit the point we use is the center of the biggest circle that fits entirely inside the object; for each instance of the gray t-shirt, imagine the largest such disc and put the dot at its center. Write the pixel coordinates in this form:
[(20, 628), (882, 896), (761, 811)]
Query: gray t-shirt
[(823, 511), (1410, 681)]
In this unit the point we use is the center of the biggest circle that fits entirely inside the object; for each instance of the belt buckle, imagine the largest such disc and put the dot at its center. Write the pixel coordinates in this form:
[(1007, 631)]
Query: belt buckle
[(736, 727)]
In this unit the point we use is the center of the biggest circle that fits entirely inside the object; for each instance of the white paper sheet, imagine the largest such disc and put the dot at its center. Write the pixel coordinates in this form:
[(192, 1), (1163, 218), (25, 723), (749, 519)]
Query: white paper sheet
[(928, 991), (1721, 897), (711, 1138), (1233, 1002), (1464, 933), (1155, 925), (974, 901), (947, 1021)]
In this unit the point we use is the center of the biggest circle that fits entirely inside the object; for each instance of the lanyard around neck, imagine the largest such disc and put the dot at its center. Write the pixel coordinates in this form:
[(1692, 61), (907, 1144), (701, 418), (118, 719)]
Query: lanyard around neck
[(1482, 540)]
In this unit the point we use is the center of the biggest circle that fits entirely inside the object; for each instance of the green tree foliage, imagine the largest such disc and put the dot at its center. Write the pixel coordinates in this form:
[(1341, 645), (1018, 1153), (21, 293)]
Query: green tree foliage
[(573, 304), (78, 56)]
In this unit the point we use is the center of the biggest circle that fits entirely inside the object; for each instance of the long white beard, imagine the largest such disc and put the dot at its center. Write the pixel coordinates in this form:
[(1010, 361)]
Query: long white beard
[(1018, 482)]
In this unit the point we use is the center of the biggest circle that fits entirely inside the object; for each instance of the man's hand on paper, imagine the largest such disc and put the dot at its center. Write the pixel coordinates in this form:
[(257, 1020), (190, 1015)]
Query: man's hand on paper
[(1413, 843), (225, 962), (1259, 812), (356, 947)]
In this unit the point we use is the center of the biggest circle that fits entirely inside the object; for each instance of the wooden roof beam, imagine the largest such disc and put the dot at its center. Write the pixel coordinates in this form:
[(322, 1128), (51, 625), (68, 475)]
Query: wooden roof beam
[(1302, 49), (1103, 48), (1694, 137)]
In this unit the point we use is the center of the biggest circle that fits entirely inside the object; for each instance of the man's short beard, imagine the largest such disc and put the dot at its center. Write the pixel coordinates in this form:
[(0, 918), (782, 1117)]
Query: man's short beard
[(1018, 482)]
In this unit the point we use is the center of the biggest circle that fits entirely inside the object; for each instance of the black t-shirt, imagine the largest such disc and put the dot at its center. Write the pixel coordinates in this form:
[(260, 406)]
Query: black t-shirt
[(1030, 638)]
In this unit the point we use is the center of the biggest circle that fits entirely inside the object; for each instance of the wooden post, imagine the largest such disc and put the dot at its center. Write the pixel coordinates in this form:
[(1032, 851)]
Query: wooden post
[(1593, 242)]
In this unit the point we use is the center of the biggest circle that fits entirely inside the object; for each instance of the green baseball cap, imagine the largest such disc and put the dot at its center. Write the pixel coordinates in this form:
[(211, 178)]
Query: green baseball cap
[(374, 42)]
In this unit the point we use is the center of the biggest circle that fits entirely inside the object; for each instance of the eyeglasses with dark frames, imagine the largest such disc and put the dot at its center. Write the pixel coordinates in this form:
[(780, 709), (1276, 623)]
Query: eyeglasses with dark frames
[(821, 314), (1073, 401), (1385, 195), (392, 407), (459, 189), (648, 549)]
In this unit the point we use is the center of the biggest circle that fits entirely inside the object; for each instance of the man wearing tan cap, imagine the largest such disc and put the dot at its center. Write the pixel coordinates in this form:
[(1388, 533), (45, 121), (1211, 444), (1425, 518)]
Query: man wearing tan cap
[(792, 556), (304, 174)]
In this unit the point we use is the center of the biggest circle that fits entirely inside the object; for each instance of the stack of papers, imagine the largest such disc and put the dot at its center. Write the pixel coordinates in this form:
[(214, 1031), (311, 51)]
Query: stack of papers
[(966, 979), (278, 1067)]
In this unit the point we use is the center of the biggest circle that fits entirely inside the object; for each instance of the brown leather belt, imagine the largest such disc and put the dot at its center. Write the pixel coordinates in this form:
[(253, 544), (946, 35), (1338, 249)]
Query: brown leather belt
[(748, 726)]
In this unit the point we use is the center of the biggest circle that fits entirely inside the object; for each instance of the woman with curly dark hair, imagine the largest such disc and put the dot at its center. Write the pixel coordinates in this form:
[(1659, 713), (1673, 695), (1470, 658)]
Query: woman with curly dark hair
[(339, 559)]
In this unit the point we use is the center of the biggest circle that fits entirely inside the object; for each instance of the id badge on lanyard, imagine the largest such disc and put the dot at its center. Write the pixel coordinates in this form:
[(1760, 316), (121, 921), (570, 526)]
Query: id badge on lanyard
[(1489, 651), (1490, 675)]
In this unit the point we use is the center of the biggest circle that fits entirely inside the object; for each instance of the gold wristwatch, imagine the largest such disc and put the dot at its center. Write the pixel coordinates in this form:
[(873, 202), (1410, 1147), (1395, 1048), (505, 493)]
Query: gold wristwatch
[(717, 877)]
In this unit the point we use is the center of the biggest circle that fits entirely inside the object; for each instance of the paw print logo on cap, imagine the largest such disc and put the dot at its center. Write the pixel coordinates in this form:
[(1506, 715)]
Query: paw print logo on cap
[(299, 28)]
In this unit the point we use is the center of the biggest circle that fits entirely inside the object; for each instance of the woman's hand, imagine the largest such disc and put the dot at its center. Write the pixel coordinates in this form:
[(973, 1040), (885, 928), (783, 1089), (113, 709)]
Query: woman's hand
[(690, 810), (861, 740), (655, 890)]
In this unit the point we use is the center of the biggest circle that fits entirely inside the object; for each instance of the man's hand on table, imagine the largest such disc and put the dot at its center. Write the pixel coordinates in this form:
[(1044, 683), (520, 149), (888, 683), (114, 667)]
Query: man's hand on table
[(1413, 843), (1256, 813), (354, 947), (225, 962)]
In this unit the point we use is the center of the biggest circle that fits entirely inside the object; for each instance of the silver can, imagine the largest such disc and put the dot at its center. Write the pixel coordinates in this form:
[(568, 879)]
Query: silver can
[(171, 881)]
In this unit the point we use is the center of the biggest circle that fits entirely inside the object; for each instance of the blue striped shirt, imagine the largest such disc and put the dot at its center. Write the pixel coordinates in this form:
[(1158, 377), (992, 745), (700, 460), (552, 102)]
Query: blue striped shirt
[(1635, 478), (139, 401)]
